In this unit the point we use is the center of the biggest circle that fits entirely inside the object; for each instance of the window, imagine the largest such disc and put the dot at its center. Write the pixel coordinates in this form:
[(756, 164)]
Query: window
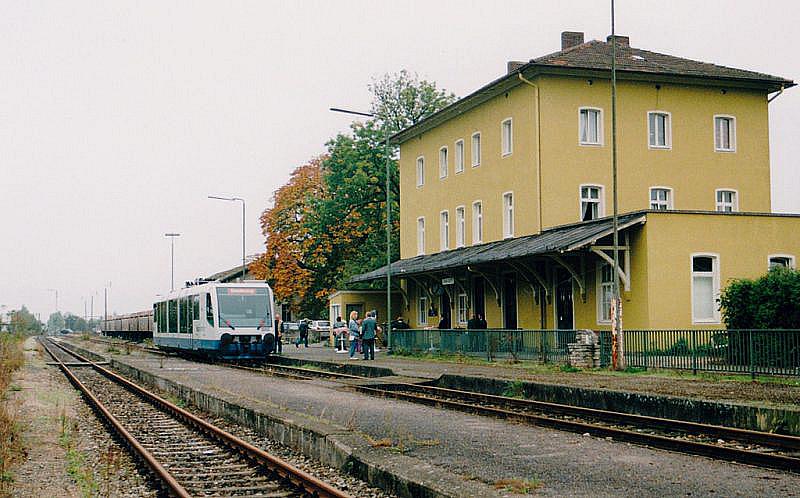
[(444, 230), (476, 149), (705, 288), (508, 215), (724, 133), (506, 137), (659, 129), (591, 202), (477, 222), (336, 311), (443, 162), (660, 198), (727, 201), (420, 171), (590, 126), (420, 236), (459, 156), (460, 226), (209, 310), (173, 316), (462, 309), (605, 291), (780, 261), (422, 310)]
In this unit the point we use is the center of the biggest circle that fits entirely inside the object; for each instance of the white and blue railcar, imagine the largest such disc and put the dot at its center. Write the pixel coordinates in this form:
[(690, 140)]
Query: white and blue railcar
[(229, 321)]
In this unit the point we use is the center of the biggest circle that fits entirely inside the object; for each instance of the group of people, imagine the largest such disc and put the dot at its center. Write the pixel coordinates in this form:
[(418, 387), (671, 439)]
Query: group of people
[(360, 333)]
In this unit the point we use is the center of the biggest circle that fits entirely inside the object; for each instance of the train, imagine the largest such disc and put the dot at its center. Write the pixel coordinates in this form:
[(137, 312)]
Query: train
[(213, 319)]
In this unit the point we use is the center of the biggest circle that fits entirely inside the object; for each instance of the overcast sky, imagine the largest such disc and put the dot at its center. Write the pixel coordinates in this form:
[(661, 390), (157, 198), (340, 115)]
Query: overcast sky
[(117, 119)]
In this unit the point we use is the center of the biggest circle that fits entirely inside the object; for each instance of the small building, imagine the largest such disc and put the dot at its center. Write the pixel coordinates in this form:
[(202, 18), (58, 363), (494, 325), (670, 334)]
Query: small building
[(507, 193), (341, 303)]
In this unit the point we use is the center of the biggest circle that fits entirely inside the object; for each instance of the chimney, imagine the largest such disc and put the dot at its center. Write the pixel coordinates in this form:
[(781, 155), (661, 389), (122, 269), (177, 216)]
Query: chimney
[(570, 39), (513, 66), (622, 41)]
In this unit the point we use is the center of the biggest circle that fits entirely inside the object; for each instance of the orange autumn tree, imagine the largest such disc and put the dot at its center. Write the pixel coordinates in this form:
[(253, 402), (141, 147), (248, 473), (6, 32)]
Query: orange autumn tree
[(287, 263)]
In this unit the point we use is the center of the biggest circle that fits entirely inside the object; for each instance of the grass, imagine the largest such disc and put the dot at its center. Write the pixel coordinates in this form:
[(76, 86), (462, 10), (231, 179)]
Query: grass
[(112, 350), (518, 486), (76, 460), (11, 448)]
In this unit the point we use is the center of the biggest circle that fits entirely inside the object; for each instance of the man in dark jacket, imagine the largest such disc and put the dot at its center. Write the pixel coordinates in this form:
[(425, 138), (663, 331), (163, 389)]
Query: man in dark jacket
[(369, 329), (303, 336)]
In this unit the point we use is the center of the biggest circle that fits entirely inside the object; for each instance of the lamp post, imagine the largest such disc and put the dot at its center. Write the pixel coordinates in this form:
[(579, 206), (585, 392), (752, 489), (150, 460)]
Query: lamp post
[(388, 226), (244, 266), (617, 337), (172, 256)]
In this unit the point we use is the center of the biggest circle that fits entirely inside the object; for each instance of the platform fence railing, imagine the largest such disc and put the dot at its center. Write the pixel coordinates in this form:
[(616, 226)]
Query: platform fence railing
[(753, 352)]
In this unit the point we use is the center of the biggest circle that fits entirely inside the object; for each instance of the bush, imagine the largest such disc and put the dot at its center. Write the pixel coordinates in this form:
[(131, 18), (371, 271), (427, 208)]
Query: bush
[(770, 302)]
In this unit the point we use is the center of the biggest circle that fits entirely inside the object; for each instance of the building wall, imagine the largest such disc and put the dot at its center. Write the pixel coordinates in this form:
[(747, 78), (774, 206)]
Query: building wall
[(691, 167), (487, 182), (742, 242), (370, 300)]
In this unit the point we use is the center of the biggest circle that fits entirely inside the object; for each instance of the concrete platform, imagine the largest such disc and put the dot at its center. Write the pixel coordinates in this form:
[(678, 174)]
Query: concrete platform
[(420, 451)]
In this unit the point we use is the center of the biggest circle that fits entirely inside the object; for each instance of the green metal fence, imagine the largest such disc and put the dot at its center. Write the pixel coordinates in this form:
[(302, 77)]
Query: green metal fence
[(771, 352)]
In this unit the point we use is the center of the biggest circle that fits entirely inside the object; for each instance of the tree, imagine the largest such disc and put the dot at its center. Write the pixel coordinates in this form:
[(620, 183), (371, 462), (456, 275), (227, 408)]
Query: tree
[(23, 321), (402, 99), (55, 322), (770, 302)]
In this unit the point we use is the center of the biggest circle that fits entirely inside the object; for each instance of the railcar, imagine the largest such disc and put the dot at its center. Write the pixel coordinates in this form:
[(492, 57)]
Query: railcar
[(134, 326), (220, 320)]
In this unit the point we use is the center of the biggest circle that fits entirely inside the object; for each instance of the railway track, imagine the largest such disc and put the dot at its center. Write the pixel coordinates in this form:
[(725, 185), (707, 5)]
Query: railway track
[(756, 448), (189, 456)]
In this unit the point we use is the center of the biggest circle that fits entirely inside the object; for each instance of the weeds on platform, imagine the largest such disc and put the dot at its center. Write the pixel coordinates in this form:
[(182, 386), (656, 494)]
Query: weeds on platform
[(76, 460), (515, 389), (518, 486), (11, 359)]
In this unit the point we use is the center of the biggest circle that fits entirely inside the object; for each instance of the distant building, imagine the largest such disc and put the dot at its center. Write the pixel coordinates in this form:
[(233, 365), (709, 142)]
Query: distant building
[(507, 193)]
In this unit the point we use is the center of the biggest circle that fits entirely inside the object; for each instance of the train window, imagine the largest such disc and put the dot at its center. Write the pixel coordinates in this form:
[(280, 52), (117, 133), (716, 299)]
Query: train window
[(209, 310), (173, 316), (186, 314), (196, 307)]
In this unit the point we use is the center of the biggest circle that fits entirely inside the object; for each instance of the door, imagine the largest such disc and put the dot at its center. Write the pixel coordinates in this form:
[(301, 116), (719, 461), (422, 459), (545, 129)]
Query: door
[(564, 309), (510, 301), (359, 307), (478, 297), (444, 306)]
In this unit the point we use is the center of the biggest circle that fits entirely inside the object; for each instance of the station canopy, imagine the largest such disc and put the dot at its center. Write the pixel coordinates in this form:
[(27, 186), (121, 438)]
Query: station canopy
[(556, 240)]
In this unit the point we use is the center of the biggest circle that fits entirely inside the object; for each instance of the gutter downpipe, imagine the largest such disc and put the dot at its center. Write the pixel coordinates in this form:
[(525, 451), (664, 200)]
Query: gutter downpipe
[(543, 311), (538, 144)]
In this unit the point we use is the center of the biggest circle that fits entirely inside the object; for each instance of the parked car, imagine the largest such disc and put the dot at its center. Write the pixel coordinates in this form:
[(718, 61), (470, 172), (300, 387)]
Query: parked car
[(290, 331), (65, 331), (322, 329)]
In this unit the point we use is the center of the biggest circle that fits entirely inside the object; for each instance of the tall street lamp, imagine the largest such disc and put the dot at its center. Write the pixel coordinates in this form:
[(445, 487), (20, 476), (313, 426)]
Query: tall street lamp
[(244, 265), (172, 256), (388, 225)]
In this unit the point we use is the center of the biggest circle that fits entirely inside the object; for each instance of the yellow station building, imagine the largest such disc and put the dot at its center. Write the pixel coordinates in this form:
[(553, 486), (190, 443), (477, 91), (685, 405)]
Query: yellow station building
[(506, 195)]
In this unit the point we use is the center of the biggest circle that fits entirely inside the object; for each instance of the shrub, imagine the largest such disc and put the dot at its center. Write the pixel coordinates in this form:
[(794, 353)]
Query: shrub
[(769, 302)]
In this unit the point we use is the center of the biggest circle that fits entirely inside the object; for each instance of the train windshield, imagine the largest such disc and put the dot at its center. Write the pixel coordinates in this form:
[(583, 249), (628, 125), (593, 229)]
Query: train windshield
[(244, 307)]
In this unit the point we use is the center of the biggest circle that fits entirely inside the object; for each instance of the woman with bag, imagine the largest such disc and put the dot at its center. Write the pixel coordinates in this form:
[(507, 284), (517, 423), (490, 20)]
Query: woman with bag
[(354, 333)]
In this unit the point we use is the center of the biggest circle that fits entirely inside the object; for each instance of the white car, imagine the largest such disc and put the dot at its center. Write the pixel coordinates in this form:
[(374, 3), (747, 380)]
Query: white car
[(322, 327)]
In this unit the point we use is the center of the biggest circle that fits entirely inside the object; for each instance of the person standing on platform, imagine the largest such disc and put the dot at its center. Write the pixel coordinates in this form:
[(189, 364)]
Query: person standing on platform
[(369, 329), (481, 322), (303, 333), (339, 330), (352, 326), (278, 336)]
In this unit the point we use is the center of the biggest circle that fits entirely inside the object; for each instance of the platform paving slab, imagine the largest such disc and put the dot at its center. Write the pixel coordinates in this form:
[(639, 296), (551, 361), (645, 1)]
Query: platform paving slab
[(442, 450)]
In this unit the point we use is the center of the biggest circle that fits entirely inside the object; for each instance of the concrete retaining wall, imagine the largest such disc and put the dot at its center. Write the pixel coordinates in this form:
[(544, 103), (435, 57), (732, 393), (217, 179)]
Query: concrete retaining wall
[(784, 421)]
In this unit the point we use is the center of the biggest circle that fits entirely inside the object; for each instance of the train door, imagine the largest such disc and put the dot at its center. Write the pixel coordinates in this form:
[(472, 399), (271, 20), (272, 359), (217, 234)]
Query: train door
[(196, 322)]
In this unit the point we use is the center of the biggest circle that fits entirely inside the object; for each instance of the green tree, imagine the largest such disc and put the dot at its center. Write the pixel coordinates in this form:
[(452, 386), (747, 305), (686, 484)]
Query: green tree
[(23, 321), (55, 322), (402, 99), (770, 302)]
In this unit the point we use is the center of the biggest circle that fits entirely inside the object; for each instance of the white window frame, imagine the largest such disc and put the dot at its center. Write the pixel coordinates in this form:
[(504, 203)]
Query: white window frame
[(601, 207), (336, 310), (600, 137), (670, 197), (461, 226), (422, 310), (506, 142), (732, 137), (475, 149), (718, 203), (477, 222), (459, 156), (443, 160), (420, 235), (667, 130), (444, 230), (508, 215), (462, 308), (790, 257), (420, 171), (601, 310), (714, 274)]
